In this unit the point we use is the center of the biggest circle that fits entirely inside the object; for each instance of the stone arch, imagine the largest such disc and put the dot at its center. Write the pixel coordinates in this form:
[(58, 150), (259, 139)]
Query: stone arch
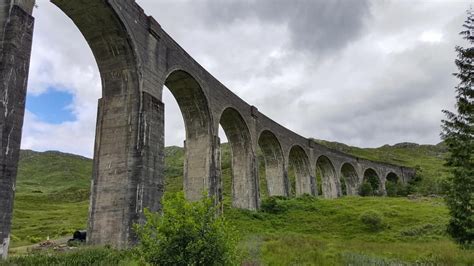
[(194, 107), (350, 178), (391, 184), (372, 178), (244, 172), (299, 160), (109, 41), (392, 177), (274, 164), (329, 181), (116, 206)]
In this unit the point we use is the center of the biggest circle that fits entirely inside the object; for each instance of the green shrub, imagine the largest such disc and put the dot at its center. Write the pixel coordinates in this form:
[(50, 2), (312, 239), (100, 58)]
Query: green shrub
[(402, 190), (186, 233), (34, 239), (391, 188), (342, 181), (306, 197), (395, 189), (372, 220), (271, 205), (366, 189)]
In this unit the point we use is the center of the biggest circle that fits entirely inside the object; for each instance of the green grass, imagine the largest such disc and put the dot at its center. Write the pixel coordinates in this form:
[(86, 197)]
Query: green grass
[(330, 230), (53, 193), (52, 196), (84, 256)]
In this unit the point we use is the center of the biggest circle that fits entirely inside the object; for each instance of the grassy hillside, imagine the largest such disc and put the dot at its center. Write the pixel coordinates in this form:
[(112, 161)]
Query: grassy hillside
[(52, 195), (53, 189)]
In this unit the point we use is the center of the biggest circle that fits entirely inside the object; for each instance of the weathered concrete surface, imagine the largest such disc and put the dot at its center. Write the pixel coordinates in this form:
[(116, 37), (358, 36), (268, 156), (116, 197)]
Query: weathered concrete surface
[(136, 59), (274, 164), (16, 26)]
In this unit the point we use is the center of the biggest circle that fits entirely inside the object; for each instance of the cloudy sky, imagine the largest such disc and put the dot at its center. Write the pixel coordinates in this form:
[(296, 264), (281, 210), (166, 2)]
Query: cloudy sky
[(361, 72)]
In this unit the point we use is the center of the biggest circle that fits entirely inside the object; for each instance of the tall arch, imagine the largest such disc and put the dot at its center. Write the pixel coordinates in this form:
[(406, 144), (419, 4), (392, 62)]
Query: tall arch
[(298, 159), (350, 177), (328, 177), (372, 179), (192, 102), (274, 164), (114, 51), (126, 146), (244, 170)]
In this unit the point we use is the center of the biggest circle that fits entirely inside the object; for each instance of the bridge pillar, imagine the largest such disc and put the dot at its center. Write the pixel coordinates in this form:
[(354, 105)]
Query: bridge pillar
[(202, 167), (245, 187), (128, 167), (16, 24)]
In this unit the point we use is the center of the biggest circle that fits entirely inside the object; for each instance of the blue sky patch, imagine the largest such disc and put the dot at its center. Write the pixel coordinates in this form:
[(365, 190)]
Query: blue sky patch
[(51, 106)]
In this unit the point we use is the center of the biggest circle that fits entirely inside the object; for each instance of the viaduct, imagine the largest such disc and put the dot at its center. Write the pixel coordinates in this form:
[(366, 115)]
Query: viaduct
[(136, 59)]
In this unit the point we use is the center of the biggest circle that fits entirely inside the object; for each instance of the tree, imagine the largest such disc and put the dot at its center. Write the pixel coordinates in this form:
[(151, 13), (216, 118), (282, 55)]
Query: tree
[(186, 233), (458, 134)]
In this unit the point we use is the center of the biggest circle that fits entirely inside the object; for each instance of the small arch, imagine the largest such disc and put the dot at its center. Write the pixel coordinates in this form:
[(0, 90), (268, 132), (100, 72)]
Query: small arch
[(197, 122), (192, 102), (392, 177), (274, 164), (349, 178), (392, 184), (329, 182), (244, 173), (298, 160), (371, 185)]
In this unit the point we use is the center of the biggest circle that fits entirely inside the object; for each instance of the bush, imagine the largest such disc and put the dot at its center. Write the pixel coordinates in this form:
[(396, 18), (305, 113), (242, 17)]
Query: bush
[(186, 233), (395, 189), (372, 220), (366, 189), (391, 188), (270, 205), (402, 190)]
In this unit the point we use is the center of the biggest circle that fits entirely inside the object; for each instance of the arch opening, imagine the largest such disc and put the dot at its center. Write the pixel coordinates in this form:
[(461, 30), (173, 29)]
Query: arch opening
[(243, 163), (109, 41), (371, 185), (350, 178), (274, 165), (198, 153), (392, 185), (117, 61), (330, 184), (299, 167), (114, 58)]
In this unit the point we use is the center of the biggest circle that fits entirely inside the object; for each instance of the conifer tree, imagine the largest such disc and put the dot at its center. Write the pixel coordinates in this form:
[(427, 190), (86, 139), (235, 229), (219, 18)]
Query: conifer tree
[(458, 134)]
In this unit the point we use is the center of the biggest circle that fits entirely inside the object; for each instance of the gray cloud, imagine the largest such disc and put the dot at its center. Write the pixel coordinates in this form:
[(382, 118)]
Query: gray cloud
[(314, 26)]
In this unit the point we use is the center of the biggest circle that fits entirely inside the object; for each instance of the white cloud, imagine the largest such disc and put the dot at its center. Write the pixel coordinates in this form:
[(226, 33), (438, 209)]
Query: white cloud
[(61, 59), (431, 36)]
